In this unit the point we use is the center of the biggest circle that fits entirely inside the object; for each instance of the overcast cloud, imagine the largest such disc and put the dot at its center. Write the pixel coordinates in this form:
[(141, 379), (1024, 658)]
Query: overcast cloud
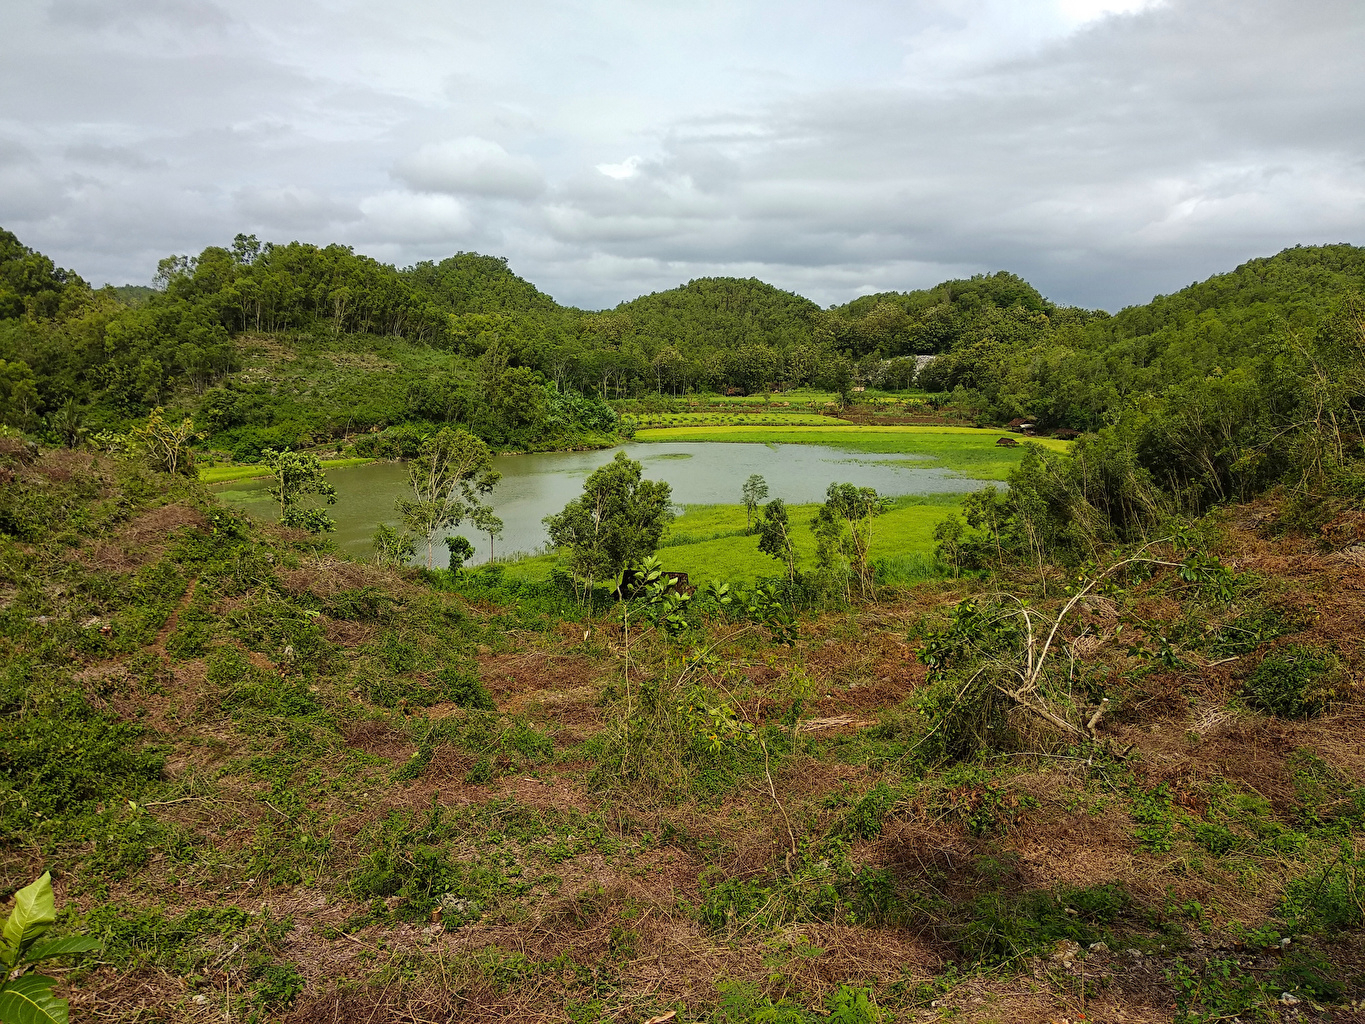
[(1107, 150)]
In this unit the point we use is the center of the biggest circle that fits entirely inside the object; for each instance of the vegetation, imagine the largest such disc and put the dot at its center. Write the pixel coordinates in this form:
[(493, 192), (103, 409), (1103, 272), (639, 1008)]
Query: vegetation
[(25, 995), (1098, 758), (618, 521), (298, 475)]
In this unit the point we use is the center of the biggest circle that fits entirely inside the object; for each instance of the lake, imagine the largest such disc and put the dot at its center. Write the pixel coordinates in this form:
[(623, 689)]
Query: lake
[(534, 486)]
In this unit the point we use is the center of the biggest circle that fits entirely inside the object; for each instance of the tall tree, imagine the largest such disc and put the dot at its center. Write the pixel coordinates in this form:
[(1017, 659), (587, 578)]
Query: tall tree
[(618, 520), (843, 527), (774, 535), (449, 474), (754, 491)]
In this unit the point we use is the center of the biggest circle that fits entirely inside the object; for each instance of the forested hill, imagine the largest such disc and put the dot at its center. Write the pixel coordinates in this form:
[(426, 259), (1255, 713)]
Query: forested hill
[(32, 285), (471, 283), (724, 312), (467, 340)]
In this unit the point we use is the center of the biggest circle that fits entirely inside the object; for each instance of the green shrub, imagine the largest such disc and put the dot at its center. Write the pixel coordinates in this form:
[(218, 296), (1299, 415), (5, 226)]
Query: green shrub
[(277, 985), (463, 688), (1331, 899), (63, 757), (1293, 682), (1000, 928)]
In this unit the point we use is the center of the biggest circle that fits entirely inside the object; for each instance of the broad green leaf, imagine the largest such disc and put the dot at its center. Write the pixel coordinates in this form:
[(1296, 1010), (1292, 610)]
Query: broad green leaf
[(62, 947), (29, 1000), (34, 912)]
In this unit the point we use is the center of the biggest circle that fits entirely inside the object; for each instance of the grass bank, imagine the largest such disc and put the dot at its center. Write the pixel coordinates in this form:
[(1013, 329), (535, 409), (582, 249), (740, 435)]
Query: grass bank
[(221, 474), (967, 450), (712, 542)]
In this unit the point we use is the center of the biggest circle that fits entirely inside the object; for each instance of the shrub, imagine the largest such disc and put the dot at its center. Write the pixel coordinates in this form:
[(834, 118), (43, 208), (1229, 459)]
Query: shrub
[(1293, 682), (63, 759), (463, 688)]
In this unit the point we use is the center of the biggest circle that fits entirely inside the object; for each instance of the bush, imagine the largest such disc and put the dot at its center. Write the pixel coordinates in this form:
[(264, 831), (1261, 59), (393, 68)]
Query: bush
[(1293, 682), (63, 759), (1332, 899), (463, 688)]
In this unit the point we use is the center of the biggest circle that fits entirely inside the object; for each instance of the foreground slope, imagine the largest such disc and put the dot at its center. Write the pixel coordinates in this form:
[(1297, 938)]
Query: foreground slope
[(276, 782)]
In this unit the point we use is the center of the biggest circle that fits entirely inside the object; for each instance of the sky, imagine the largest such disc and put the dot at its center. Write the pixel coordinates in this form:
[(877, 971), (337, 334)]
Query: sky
[(1106, 150)]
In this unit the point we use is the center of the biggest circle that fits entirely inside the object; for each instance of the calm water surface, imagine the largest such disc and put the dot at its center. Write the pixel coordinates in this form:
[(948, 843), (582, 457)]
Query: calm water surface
[(534, 486)]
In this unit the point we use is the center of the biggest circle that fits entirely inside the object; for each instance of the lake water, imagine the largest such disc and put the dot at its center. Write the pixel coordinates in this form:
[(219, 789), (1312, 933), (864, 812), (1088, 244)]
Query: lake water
[(534, 486)]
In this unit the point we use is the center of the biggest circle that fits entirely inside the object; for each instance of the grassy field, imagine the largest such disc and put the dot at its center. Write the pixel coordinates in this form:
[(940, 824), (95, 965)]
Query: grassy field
[(221, 474), (966, 450), (711, 542)]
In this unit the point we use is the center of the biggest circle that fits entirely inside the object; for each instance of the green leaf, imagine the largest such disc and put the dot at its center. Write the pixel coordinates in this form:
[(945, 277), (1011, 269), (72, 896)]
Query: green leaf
[(34, 911), (29, 1000), (62, 947)]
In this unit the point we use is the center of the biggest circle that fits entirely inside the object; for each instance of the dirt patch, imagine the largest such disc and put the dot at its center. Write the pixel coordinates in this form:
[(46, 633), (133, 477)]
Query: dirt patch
[(142, 540), (377, 737), (327, 577), (510, 677)]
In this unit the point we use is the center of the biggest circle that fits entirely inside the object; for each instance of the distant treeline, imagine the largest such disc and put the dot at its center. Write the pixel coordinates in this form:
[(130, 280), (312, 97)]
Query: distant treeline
[(466, 340)]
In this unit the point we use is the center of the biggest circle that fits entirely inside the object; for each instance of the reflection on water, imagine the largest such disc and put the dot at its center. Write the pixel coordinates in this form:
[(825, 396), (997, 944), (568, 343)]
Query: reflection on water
[(534, 486)]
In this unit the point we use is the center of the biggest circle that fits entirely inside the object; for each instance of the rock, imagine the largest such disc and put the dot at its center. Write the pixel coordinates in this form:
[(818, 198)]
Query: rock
[(1099, 947), (200, 999), (1133, 952), (1289, 999), (1066, 951)]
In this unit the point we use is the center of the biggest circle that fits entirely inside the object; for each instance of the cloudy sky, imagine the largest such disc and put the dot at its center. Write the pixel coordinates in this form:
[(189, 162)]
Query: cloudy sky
[(1107, 150)]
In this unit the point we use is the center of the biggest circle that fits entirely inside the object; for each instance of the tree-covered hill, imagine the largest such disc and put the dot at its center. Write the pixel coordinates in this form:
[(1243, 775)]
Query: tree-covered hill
[(471, 283), (272, 342), (32, 284)]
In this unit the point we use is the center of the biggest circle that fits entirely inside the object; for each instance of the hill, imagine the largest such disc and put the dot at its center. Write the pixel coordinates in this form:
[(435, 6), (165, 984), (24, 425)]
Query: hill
[(278, 783), (440, 338), (471, 283)]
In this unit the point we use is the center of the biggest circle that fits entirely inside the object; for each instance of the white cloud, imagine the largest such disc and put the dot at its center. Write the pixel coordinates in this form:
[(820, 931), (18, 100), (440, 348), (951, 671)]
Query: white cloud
[(293, 208), (1105, 149), (1078, 11), (627, 168), (403, 217), (472, 166)]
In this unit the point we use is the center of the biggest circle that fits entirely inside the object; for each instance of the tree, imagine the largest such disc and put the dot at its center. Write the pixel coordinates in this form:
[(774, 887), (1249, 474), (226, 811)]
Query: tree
[(391, 548), (460, 550), (619, 520), (843, 526), (68, 423), (774, 535), (297, 475), (451, 470), (754, 491), (18, 393), (485, 521), (166, 446)]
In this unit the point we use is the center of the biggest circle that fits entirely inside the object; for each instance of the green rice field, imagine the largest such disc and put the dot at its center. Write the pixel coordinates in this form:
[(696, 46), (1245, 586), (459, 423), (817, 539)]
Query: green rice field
[(967, 450)]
